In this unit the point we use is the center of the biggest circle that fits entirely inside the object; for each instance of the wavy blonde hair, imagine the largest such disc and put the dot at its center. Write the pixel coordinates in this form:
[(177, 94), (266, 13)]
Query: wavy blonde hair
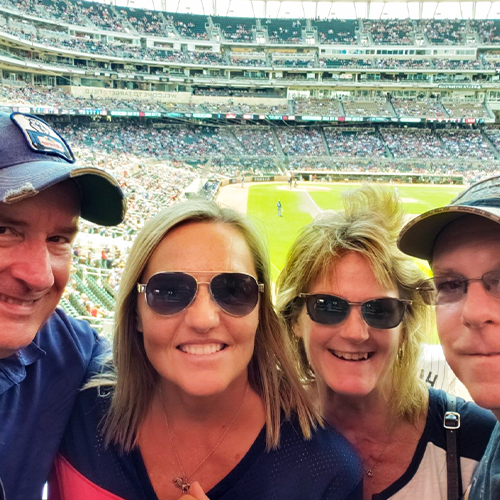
[(369, 225), (133, 380)]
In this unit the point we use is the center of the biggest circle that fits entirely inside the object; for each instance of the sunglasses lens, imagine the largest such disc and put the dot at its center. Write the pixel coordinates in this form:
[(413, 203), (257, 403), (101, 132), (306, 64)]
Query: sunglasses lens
[(383, 313), (235, 293), (327, 309), (169, 293)]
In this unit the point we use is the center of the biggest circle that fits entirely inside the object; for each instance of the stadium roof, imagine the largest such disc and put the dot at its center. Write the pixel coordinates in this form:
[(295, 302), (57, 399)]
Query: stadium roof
[(325, 9)]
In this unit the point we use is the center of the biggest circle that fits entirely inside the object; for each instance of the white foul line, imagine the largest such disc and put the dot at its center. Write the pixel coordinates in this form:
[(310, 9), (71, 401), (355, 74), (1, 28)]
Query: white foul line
[(314, 203)]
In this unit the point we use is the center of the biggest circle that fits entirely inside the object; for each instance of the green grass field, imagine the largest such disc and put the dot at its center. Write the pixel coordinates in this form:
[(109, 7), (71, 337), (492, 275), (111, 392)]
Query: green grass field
[(300, 204)]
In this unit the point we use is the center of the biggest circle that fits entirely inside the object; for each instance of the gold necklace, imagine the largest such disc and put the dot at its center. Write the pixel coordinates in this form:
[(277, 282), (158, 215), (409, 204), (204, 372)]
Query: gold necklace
[(182, 481)]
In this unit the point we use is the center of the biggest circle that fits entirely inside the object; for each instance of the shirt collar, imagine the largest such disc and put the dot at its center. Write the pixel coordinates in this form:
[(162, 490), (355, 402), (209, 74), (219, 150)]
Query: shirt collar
[(13, 368)]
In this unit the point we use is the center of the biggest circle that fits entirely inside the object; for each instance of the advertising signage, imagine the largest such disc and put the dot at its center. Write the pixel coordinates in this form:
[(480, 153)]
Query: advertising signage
[(44, 110)]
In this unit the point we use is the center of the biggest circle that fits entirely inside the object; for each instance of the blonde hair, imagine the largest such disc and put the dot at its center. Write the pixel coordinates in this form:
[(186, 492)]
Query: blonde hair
[(271, 370), (369, 225)]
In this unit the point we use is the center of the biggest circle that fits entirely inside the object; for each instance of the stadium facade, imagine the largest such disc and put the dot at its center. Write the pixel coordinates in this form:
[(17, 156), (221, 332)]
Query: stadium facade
[(406, 95)]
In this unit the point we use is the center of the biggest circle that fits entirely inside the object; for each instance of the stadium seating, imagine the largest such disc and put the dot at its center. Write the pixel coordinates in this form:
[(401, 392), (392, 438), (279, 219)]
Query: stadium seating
[(235, 29), (391, 31), (284, 30), (336, 31)]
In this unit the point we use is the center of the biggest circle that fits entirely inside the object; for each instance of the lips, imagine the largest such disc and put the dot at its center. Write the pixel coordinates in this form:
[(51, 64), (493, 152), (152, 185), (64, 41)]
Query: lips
[(352, 356), (16, 302), (202, 349)]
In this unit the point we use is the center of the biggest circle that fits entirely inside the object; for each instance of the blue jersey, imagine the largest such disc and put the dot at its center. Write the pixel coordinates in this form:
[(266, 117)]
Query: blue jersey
[(323, 468), (38, 388), (486, 480)]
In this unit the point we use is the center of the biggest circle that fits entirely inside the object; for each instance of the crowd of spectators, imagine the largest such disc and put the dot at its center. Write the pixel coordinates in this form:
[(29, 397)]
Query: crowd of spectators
[(355, 143), (301, 141), (235, 31), (55, 97), (470, 109), (340, 63), (227, 145), (316, 106), (256, 61), (418, 108), (256, 141), (488, 30), (444, 31), (391, 31), (467, 144), (358, 107), (147, 22), (294, 62), (439, 144), (103, 17), (191, 26), (284, 30), (392, 63), (414, 143)]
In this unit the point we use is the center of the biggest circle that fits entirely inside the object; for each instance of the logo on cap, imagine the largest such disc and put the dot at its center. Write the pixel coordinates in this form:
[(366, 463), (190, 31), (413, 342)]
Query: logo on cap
[(41, 138)]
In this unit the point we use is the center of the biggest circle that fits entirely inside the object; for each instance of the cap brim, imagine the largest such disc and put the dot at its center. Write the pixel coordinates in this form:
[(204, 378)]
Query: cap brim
[(102, 200), (418, 237)]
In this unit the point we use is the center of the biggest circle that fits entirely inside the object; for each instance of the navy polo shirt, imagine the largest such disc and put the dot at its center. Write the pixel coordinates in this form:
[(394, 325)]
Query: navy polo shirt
[(38, 388)]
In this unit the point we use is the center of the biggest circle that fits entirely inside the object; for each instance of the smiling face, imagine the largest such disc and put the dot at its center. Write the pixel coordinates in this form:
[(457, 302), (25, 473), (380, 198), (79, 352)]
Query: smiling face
[(350, 358), (470, 329), (200, 350), (36, 236)]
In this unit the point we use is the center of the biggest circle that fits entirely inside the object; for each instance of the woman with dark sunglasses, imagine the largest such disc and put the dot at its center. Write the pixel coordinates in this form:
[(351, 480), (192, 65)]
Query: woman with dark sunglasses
[(349, 298), (203, 400)]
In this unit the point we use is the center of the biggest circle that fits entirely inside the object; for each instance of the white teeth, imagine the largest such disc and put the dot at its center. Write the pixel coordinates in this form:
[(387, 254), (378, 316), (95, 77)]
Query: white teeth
[(351, 356), (16, 302), (201, 349)]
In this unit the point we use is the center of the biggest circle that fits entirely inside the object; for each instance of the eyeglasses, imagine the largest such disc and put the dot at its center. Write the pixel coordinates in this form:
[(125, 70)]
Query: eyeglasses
[(450, 289), (381, 313), (168, 293)]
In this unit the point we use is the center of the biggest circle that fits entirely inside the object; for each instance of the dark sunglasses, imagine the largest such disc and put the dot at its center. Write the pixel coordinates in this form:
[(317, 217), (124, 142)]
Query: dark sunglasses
[(168, 293), (442, 290), (382, 313)]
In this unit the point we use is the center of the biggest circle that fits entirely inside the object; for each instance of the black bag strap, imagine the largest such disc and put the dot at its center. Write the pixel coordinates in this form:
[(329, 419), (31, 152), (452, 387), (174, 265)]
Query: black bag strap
[(2, 491), (451, 423)]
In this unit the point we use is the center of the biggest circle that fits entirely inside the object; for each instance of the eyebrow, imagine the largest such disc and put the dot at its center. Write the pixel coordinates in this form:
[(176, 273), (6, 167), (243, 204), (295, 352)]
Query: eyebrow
[(9, 220), (71, 229)]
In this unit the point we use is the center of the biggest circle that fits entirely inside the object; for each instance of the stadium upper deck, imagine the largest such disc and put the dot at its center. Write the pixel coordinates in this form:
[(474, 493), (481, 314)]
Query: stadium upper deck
[(132, 21), (390, 70)]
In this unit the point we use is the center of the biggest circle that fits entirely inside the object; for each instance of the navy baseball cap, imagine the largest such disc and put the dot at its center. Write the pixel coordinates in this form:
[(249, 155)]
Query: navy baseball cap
[(33, 157), (419, 236)]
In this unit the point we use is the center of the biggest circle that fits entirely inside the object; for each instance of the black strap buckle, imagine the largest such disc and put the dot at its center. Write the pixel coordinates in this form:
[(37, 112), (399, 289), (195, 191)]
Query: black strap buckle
[(451, 420)]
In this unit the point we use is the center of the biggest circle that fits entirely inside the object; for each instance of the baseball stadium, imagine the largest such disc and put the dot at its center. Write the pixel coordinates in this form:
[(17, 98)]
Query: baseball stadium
[(254, 103)]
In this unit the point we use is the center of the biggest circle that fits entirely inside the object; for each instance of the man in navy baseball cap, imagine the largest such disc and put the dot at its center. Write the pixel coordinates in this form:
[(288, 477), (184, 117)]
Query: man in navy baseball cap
[(461, 241), (44, 354)]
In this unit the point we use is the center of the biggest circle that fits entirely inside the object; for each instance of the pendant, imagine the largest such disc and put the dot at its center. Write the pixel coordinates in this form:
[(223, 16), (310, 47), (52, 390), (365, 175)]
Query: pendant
[(182, 483), (369, 472)]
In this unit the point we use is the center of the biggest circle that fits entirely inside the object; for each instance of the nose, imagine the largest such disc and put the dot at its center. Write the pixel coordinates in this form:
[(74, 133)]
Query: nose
[(354, 327), (203, 314), (479, 307), (33, 266)]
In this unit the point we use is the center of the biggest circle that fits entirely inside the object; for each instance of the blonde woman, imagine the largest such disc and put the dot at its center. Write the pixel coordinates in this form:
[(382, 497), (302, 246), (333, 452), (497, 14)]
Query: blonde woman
[(204, 400), (348, 297)]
